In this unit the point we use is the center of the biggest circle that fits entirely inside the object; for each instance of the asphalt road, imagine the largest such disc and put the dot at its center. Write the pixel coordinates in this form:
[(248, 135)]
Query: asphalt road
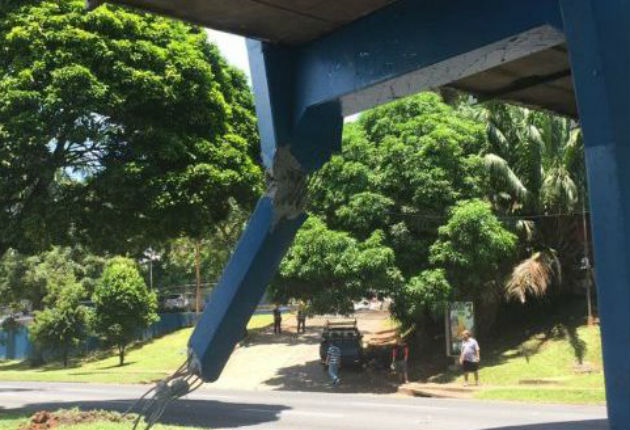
[(284, 410)]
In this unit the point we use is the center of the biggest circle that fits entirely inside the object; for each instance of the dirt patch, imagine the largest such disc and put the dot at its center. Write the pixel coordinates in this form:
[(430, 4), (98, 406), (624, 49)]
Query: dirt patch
[(44, 420)]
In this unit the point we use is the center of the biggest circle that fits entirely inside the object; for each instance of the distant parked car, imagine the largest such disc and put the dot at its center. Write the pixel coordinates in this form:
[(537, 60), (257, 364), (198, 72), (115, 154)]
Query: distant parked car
[(180, 302), (346, 336), (362, 305)]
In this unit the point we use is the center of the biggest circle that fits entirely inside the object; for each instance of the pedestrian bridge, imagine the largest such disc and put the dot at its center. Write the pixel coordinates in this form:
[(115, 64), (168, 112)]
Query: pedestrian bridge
[(315, 61)]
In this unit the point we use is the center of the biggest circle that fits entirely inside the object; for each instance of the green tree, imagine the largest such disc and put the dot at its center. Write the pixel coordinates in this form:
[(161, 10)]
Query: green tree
[(123, 305), (422, 298), (62, 325), (331, 269), (117, 128), (401, 167), (535, 158), (39, 278), (12, 269), (475, 250)]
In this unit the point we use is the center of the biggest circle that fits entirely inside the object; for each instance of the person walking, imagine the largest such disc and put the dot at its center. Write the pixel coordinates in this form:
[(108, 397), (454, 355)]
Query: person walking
[(400, 357), (301, 318), (469, 357), (333, 361), (277, 320)]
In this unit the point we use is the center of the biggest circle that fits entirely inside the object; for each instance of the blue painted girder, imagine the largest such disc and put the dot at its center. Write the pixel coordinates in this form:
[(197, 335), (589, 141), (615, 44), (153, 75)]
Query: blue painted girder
[(407, 36), (598, 36), (243, 283), (311, 138)]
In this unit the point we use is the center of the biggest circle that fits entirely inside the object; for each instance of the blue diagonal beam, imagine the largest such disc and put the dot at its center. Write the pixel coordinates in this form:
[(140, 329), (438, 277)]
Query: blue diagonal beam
[(242, 285), (292, 146)]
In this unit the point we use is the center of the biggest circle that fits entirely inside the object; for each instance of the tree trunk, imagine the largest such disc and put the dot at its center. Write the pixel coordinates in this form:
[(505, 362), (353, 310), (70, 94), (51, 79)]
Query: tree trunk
[(65, 358), (121, 355), (198, 276)]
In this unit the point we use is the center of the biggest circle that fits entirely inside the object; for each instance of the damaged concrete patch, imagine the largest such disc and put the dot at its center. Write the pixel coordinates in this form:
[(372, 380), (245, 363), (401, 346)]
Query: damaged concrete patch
[(286, 185)]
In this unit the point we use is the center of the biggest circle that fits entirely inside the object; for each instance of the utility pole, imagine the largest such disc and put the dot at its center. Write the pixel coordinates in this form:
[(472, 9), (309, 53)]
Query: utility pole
[(198, 275), (150, 256)]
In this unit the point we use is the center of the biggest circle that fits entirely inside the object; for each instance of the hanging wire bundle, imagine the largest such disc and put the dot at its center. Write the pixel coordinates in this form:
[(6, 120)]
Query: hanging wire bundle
[(171, 388)]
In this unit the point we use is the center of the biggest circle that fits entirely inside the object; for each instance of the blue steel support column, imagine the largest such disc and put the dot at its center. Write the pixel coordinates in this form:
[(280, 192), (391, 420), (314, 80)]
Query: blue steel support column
[(294, 142), (598, 35)]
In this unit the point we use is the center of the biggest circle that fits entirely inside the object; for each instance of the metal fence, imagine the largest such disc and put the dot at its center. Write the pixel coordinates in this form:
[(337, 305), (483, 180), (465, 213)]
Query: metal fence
[(16, 345)]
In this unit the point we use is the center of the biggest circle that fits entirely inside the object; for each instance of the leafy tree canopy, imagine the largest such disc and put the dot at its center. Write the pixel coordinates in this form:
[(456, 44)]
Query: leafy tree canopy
[(40, 278), (116, 128), (401, 167), (425, 294), (331, 268), (177, 265), (472, 246)]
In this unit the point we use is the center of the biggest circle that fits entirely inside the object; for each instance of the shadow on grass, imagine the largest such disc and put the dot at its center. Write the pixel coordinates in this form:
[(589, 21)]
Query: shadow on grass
[(523, 337), (26, 366), (197, 413), (118, 366), (11, 366)]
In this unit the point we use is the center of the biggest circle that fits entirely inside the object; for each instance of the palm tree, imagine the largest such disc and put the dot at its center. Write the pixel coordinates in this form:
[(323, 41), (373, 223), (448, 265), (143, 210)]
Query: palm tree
[(535, 164), (535, 157), (533, 276)]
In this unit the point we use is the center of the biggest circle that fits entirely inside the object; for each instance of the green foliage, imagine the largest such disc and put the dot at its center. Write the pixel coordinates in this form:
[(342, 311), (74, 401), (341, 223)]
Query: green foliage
[(472, 246), (123, 305), (536, 159), (117, 128), (177, 266), (12, 270), (401, 167), (63, 324), (39, 278), (427, 292), (331, 268)]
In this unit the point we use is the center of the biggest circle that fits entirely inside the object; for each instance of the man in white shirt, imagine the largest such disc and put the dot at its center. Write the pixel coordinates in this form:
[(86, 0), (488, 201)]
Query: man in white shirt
[(469, 357)]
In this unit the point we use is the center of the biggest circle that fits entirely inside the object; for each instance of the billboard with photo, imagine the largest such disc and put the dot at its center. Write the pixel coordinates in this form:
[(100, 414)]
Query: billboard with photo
[(460, 316)]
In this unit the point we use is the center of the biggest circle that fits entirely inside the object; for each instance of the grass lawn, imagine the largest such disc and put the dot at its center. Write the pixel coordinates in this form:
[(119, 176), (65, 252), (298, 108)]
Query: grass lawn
[(146, 362), (548, 360)]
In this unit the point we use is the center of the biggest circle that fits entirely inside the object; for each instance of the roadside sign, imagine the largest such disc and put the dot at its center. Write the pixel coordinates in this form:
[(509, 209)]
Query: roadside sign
[(459, 316)]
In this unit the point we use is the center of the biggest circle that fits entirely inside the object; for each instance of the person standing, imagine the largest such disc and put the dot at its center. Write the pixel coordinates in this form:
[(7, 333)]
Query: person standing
[(301, 318), (333, 361), (469, 357), (400, 357), (277, 320)]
